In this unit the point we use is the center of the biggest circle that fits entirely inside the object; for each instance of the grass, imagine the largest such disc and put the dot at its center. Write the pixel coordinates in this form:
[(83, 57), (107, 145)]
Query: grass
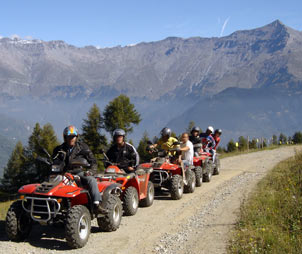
[(226, 154), (3, 209), (271, 219)]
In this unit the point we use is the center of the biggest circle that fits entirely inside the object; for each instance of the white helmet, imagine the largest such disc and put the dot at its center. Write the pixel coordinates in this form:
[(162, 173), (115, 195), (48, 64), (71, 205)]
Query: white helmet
[(211, 129)]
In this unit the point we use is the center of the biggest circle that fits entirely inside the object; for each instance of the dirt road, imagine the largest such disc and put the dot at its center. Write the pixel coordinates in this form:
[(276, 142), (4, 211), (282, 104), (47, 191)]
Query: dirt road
[(198, 223)]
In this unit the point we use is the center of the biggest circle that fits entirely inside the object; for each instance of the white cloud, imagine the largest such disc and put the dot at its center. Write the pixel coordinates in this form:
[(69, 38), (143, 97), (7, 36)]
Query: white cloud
[(224, 25)]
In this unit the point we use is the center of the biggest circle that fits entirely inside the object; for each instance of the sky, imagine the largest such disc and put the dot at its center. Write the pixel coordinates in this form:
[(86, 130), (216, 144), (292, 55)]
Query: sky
[(125, 22)]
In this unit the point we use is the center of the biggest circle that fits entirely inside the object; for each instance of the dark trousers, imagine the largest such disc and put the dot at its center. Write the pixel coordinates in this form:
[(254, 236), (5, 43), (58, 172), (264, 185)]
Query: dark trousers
[(92, 186)]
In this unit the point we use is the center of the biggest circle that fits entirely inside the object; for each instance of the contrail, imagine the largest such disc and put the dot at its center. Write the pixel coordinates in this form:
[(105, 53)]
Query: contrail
[(224, 26)]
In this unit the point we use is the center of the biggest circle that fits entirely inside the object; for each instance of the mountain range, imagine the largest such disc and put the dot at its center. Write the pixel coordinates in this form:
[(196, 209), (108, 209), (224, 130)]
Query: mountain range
[(247, 83)]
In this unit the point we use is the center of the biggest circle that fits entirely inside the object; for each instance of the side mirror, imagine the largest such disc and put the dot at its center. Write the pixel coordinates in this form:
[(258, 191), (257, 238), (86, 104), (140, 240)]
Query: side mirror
[(44, 160)]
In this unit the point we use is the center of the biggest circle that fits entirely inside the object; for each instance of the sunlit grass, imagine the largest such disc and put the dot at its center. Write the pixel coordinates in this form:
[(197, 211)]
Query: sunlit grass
[(271, 219)]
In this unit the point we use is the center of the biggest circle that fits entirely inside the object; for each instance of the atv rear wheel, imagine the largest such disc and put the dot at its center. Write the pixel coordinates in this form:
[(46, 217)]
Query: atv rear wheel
[(217, 166), (207, 172), (198, 176), (130, 201), (148, 201), (77, 226), (17, 224), (112, 220), (177, 187), (191, 182)]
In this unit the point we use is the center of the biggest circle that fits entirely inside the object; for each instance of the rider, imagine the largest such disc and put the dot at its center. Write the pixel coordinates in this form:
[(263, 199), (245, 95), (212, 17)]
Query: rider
[(208, 142), (73, 148), (165, 142), (216, 137), (122, 152), (195, 139), (187, 150)]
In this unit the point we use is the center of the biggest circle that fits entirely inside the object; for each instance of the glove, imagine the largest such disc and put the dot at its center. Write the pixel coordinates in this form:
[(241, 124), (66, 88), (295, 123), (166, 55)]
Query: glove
[(87, 173)]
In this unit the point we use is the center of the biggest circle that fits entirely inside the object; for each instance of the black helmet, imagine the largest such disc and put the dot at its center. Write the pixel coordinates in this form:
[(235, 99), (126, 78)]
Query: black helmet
[(195, 128), (166, 132), (119, 132), (219, 131)]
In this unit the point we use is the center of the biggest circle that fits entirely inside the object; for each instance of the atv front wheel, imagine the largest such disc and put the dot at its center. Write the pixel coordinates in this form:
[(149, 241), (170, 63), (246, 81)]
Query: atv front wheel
[(177, 187), (148, 201), (78, 226), (207, 172), (191, 182), (17, 224), (111, 220), (130, 201), (217, 166), (198, 176)]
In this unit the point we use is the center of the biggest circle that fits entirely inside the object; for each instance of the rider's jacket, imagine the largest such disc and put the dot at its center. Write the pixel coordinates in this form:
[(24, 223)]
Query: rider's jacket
[(217, 141), (195, 139), (207, 141), (166, 145), (80, 150), (125, 156)]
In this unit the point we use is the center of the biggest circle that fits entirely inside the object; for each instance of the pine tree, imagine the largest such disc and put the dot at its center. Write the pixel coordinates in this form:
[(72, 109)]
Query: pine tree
[(41, 138), (92, 135), (13, 176), (282, 139), (242, 143), (121, 113), (275, 140), (145, 156), (297, 138), (231, 146)]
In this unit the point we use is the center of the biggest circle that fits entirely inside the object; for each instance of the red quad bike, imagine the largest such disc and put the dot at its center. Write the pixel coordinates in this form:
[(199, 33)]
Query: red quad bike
[(170, 176), (137, 189), (62, 200), (203, 163)]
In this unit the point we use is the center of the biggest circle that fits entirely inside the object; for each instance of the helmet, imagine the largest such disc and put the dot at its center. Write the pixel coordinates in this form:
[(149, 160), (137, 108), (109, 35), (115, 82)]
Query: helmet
[(195, 128), (119, 132), (211, 129), (166, 132), (70, 130), (219, 131)]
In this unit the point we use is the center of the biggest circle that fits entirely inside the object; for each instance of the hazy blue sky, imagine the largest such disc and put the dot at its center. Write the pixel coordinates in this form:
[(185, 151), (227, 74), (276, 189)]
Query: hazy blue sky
[(110, 23)]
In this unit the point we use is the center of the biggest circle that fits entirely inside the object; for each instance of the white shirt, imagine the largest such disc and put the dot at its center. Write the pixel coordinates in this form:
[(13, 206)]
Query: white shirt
[(187, 155)]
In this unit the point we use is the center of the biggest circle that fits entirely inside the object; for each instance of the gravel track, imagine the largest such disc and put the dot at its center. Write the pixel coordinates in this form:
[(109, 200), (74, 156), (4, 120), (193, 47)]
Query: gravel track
[(198, 223)]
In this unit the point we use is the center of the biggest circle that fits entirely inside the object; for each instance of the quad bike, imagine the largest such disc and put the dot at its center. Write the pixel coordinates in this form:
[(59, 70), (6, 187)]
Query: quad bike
[(62, 200), (137, 189), (203, 163), (174, 177)]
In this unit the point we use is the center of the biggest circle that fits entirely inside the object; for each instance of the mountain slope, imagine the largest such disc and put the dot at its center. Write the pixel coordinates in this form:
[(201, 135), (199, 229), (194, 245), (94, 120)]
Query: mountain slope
[(196, 66)]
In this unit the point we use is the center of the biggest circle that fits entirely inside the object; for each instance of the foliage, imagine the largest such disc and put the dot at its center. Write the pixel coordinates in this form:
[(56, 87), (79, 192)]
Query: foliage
[(282, 139), (92, 135), (231, 146), (145, 156), (120, 113), (297, 138), (23, 166), (243, 145), (274, 140)]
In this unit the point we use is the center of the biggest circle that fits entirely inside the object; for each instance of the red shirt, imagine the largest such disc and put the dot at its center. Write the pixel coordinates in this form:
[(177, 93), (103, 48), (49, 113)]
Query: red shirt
[(217, 140)]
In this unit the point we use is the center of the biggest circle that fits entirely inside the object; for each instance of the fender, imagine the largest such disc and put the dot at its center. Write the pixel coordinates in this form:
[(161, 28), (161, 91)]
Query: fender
[(113, 187)]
